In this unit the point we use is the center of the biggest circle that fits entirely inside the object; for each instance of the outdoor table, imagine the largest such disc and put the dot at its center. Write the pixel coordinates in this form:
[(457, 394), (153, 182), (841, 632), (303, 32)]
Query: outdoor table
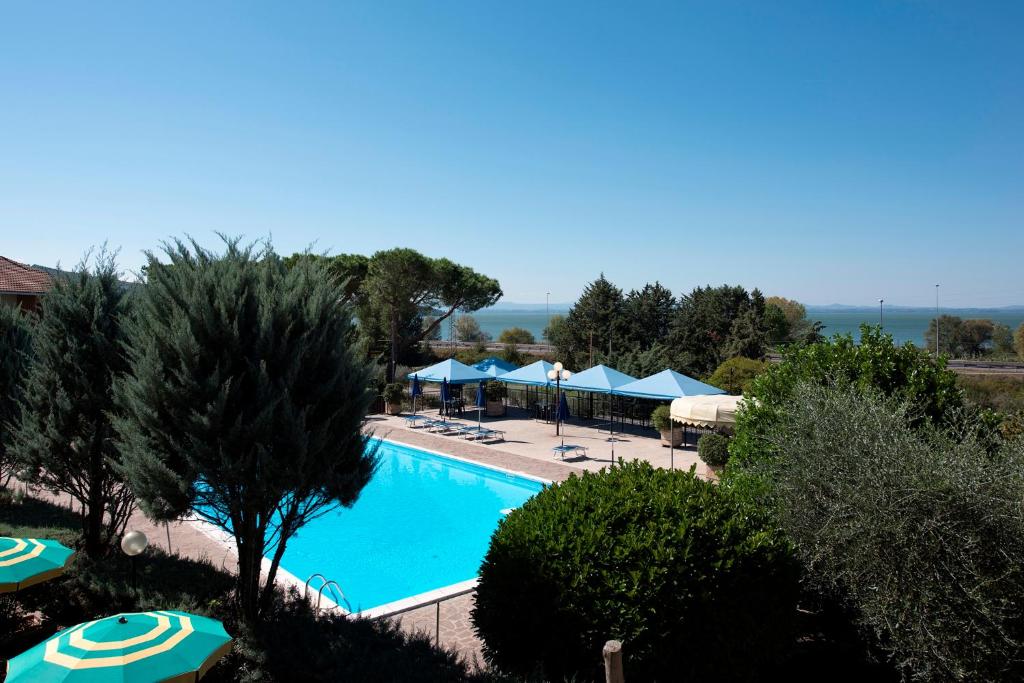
[(569, 448)]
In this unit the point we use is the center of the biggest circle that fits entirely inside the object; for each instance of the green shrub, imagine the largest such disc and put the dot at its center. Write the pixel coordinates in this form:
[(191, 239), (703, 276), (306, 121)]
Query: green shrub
[(736, 374), (919, 533), (876, 362), (661, 418), (496, 391), (694, 582), (516, 335), (393, 393), (713, 449)]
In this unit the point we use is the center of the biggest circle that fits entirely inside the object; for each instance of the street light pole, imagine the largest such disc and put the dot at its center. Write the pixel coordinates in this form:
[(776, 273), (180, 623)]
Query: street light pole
[(881, 319)]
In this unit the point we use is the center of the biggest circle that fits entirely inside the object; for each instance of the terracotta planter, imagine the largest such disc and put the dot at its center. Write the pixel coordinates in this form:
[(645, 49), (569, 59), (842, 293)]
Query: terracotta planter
[(495, 408), (394, 409), (676, 437)]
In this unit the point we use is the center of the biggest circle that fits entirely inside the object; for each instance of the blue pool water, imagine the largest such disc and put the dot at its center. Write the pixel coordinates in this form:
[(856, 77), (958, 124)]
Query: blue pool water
[(423, 522)]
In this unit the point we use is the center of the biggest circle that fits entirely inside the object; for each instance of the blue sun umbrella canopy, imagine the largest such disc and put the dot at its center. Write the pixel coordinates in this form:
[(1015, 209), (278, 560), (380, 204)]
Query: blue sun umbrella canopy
[(534, 374), (445, 395), (128, 648), (666, 385), (599, 379), (495, 367), (416, 389), (27, 561), (481, 396), (451, 370)]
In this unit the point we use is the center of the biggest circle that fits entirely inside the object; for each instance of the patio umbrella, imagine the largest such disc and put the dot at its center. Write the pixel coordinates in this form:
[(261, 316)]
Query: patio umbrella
[(129, 648), (416, 391), (444, 396), (28, 561), (481, 401), (563, 408)]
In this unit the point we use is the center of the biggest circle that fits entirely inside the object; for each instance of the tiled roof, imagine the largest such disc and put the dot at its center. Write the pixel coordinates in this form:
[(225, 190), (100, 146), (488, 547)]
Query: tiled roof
[(21, 279)]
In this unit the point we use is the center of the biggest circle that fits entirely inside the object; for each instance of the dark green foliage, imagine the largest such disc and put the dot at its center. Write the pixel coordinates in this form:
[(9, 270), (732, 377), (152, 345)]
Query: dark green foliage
[(919, 532), (496, 391), (15, 353), (695, 583), (63, 440), (713, 449), (735, 375), (393, 393), (661, 418), (593, 326), (516, 335), (245, 400), (903, 371), (715, 323), (647, 316)]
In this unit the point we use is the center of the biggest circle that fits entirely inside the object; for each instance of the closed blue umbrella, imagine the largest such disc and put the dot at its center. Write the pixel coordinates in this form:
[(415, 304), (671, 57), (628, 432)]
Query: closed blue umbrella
[(563, 408), (444, 396), (416, 391), (481, 402)]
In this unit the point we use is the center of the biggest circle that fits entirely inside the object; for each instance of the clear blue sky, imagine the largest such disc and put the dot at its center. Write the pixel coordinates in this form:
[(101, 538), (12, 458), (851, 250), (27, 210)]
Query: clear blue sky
[(831, 152)]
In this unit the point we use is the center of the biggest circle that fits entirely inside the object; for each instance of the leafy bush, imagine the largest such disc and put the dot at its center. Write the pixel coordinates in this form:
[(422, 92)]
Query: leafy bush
[(694, 582), (496, 391), (713, 449), (876, 362), (661, 418), (736, 374), (919, 532), (516, 335), (393, 393)]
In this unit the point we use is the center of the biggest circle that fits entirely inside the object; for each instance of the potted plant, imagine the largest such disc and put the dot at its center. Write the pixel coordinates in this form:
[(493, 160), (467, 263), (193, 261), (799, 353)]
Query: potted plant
[(713, 449), (496, 392), (663, 423), (393, 394)]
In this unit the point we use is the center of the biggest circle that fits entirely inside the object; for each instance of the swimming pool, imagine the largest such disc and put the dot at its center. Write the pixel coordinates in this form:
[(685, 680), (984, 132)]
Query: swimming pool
[(422, 523)]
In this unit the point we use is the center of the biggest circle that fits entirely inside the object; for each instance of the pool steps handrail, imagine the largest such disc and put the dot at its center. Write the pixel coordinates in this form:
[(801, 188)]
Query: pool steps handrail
[(326, 583)]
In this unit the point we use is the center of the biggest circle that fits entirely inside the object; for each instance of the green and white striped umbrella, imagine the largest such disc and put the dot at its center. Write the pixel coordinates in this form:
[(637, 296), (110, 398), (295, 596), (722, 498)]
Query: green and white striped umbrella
[(28, 561), (141, 647)]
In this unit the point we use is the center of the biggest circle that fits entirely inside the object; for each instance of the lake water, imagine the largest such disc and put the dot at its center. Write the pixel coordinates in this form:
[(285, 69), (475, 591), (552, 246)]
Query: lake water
[(904, 324)]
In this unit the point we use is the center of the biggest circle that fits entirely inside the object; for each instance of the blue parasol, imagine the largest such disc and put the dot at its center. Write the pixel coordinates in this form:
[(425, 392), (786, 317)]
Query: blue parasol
[(563, 409), (445, 398), (416, 391), (481, 401)]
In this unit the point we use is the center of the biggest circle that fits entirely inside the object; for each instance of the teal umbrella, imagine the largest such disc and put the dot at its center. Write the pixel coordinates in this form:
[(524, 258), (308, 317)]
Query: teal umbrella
[(140, 647), (28, 561)]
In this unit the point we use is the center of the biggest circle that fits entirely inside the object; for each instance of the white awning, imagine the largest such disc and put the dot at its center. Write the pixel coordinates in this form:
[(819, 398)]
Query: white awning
[(706, 411)]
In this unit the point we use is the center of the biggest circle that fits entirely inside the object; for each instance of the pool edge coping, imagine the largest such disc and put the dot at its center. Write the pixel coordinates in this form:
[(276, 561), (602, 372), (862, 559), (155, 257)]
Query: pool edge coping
[(221, 537)]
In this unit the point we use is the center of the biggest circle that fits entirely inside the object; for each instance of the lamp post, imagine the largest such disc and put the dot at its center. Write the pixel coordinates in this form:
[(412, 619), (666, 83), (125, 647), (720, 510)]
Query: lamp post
[(133, 544), (559, 375), (881, 320)]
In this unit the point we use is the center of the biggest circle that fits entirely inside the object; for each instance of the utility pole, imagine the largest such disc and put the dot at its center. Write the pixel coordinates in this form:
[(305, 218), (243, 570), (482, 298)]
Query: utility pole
[(936, 321), (547, 314)]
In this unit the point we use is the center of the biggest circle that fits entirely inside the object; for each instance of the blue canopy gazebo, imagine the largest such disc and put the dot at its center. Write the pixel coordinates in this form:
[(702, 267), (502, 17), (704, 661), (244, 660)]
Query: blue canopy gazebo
[(451, 371), (599, 379), (495, 367), (667, 385), (532, 375)]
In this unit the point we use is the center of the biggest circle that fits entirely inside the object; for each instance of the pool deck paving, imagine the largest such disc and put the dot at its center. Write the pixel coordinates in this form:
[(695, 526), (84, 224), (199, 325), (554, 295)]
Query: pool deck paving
[(526, 450)]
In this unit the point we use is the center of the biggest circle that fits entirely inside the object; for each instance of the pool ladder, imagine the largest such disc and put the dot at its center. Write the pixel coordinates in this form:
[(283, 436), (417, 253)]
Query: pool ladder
[(337, 595)]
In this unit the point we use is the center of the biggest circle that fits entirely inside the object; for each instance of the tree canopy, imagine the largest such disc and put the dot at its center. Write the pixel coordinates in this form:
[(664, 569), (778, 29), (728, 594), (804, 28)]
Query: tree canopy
[(402, 297), (15, 352), (244, 401), (63, 440), (516, 335)]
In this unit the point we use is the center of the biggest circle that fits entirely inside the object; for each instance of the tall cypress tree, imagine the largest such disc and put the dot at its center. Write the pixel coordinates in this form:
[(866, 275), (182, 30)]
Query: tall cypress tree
[(63, 439), (245, 400), (15, 351)]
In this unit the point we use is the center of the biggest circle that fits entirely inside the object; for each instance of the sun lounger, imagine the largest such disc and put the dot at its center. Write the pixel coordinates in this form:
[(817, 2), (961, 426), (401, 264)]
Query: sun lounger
[(444, 427), (569, 447), (482, 434)]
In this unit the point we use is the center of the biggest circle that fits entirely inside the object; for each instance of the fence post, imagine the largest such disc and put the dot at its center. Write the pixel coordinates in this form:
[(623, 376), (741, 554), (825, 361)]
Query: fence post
[(613, 662)]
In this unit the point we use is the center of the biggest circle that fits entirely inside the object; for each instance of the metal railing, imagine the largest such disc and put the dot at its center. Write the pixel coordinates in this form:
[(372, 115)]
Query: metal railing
[(436, 602), (337, 597)]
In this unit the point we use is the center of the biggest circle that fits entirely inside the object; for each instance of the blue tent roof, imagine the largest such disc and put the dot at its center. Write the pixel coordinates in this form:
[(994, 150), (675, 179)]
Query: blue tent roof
[(451, 370), (599, 379), (494, 366), (534, 374), (666, 385)]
